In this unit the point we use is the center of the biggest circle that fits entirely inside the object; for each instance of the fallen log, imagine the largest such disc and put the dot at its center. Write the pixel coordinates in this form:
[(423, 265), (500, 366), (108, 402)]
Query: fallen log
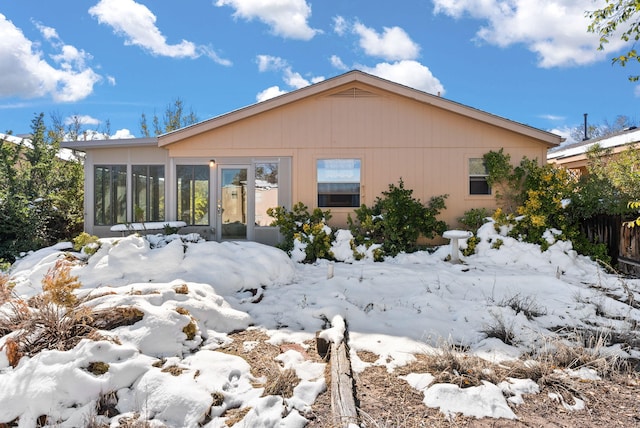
[(331, 345)]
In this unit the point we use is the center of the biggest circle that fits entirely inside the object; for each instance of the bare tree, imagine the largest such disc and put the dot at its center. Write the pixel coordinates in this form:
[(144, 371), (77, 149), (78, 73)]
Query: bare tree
[(174, 117)]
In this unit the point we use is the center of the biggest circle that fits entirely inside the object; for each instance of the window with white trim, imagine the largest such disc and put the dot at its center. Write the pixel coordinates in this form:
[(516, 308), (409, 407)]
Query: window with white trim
[(338, 182), (478, 177)]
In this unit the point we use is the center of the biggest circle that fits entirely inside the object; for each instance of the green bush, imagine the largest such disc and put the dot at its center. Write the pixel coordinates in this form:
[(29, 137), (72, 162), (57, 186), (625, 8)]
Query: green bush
[(497, 244), (87, 243), (536, 203), (472, 243), (474, 218), (396, 221), (310, 229)]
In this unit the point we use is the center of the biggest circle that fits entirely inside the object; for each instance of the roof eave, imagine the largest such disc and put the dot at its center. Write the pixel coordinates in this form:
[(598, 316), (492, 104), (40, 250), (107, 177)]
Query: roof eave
[(112, 143)]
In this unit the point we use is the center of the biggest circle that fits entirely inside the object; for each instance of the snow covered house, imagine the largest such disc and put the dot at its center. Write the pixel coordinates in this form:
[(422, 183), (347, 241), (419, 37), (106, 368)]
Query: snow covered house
[(336, 145)]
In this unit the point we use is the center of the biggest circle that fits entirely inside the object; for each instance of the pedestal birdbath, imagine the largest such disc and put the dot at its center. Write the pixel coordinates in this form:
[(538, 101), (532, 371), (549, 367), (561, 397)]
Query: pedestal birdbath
[(454, 236)]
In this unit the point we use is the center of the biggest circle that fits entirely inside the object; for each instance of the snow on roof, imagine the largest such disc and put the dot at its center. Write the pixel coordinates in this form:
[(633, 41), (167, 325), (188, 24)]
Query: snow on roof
[(629, 136), (64, 153)]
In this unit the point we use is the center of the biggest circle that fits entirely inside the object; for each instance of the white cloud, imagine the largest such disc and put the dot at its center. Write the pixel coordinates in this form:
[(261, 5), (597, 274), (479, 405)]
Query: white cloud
[(636, 91), (336, 61), (268, 93), (392, 45), (552, 117), (294, 79), (340, 25), (49, 33), (291, 78), (211, 54), (564, 132), (287, 18), (137, 24), (408, 73), (269, 63), (25, 73), (81, 119), (122, 134), (556, 30)]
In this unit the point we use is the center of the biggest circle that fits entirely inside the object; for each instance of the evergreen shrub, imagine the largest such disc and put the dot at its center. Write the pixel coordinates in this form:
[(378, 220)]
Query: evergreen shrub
[(396, 221)]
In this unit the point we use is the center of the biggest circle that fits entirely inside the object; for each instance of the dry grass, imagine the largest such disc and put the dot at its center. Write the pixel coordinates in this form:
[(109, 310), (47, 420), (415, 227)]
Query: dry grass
[(190, 329), (281, 382), (499, 329), (56, 318), (235, 415), (174, 370), (181, 289)]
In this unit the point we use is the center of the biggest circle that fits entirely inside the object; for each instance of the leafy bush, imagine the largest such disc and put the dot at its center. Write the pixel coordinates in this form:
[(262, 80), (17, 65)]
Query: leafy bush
[(474, 218), (308, 229), (497, 244), (634, 205), (86, 243), (537, 202), (472, 243), (41, 195), (396, 220)]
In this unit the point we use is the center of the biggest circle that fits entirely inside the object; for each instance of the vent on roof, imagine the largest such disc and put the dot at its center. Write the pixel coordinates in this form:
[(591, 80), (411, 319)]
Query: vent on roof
[(354, 93)]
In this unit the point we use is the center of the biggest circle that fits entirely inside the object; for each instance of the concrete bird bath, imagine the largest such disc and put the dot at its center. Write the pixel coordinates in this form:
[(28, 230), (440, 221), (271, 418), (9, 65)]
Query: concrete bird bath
[(454, 236)]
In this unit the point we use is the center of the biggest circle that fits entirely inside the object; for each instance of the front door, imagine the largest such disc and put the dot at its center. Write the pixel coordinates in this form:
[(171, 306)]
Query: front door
[(232, 202)]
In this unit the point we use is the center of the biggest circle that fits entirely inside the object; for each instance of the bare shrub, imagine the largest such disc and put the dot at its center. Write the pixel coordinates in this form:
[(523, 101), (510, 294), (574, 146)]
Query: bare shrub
[(56, 318), (451, 364), (500, 330), (6, 288), (583, 348), (526, 305), (59, 285)]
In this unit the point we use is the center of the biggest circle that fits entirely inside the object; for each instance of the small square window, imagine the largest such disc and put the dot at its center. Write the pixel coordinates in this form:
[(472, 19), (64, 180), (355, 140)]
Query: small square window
[(478, 177)]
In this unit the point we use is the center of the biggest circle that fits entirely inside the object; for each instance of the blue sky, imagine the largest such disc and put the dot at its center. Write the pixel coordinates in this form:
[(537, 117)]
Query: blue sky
[(531, 61)]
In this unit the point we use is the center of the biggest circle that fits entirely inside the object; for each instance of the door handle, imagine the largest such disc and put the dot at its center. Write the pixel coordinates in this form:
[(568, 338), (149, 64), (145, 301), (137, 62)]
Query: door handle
[(219, 206)]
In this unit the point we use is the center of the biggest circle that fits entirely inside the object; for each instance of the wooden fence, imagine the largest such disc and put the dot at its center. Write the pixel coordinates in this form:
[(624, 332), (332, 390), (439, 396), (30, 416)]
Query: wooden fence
[(622, 242), (629, 256)]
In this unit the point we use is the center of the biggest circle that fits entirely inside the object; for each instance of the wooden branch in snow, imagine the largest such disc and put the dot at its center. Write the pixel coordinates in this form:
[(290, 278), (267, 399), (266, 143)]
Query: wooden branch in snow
[(331, 344), (343, 404)]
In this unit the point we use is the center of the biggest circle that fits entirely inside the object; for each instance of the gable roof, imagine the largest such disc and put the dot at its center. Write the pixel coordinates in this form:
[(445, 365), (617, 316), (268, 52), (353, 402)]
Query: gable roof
[(356, 77)]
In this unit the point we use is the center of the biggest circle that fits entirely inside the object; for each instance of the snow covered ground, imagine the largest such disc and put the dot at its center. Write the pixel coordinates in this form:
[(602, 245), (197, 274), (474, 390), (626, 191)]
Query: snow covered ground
[(396, 309)]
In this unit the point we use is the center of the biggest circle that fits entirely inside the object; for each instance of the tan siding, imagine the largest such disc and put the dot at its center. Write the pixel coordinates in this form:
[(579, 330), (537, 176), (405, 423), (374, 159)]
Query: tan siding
[(394, 136)]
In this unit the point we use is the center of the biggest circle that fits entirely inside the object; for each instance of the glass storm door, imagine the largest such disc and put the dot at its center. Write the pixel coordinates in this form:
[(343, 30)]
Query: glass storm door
[(232, 203)]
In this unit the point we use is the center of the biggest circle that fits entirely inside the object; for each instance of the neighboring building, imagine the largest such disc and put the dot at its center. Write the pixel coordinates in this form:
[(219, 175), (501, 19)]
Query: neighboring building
[(574, 156), (335, 145)]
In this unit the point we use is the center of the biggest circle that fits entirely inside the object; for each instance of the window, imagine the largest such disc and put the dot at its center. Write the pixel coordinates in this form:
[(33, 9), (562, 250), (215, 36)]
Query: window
[(266, 192), (148, 192), (193, 194), (478, 177), (338, 182), (110, 194)]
